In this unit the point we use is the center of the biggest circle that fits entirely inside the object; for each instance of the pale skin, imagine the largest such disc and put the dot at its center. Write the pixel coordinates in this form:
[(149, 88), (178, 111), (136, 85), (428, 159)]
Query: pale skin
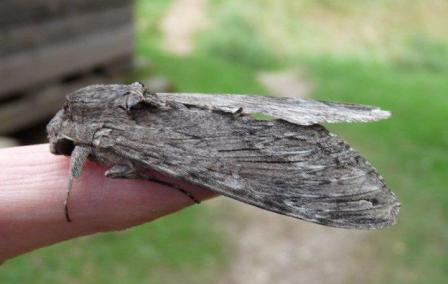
[(33, 186)]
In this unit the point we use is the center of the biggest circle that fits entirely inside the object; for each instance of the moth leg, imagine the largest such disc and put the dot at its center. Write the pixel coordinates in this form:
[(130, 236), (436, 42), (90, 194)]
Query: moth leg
[(129, 171), (78, 159), (176, 187), (122, 171), (238, 112), (173, 186), (187, 193)]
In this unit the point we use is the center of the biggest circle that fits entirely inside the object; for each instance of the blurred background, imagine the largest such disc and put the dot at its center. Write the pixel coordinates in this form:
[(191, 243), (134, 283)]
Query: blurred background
[(389, 53)]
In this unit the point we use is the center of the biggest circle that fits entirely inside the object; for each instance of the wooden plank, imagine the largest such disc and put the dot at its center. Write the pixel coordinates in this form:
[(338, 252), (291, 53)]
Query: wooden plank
[(26, 70), (20, 113), (40, 105), (16, 12), (31, 36)]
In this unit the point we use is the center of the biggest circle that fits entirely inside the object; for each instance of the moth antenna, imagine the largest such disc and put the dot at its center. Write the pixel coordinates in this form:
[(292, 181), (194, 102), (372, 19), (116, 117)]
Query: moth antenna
[(78, 159)]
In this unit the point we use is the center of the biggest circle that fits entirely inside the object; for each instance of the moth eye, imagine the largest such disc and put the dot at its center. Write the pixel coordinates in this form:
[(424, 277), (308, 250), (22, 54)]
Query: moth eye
[(67, 111), (64, 147)]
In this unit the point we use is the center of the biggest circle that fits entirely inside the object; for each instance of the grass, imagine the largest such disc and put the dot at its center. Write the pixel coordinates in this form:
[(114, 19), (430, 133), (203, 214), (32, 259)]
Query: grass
[(200, 73), (365, 30)]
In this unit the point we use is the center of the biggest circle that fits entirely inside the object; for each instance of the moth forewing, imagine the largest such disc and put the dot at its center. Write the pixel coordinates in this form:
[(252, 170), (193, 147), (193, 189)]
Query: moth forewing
[(295, 110)]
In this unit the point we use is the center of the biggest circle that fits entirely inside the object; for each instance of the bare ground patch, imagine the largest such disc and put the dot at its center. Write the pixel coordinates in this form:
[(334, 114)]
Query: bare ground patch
[(285, 83), (184, 19), (271, 248)]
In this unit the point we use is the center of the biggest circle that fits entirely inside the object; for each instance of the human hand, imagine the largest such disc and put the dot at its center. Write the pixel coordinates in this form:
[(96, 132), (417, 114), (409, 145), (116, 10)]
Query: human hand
[(33, 185)]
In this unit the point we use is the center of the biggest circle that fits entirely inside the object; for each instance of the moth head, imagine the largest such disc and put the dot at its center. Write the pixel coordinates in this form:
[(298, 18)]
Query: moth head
[(60, 143), (83, 114), (89, 109)]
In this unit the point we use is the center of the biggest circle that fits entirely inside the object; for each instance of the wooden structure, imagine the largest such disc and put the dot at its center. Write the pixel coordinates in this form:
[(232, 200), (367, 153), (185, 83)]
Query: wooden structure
[(51, 47)]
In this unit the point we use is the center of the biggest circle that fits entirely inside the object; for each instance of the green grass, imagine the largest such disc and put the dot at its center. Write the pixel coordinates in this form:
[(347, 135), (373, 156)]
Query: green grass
[(200, 73), (366, 30)]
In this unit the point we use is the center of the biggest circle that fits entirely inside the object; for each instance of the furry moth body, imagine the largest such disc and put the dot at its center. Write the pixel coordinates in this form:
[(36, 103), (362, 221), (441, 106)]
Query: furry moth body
[(289, 165)]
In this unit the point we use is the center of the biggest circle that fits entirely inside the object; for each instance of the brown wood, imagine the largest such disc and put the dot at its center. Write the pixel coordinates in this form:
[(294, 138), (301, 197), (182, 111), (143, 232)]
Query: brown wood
[(23, 12), (28, 69), (31, 36), (40, 105)]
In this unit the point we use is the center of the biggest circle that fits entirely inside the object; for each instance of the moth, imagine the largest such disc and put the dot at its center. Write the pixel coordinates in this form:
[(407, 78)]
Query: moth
[(289, 164)]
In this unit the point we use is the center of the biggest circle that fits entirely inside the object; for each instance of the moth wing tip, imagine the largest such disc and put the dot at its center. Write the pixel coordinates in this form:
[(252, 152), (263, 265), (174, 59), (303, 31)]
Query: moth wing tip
[(388, 218), (381, 114)]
